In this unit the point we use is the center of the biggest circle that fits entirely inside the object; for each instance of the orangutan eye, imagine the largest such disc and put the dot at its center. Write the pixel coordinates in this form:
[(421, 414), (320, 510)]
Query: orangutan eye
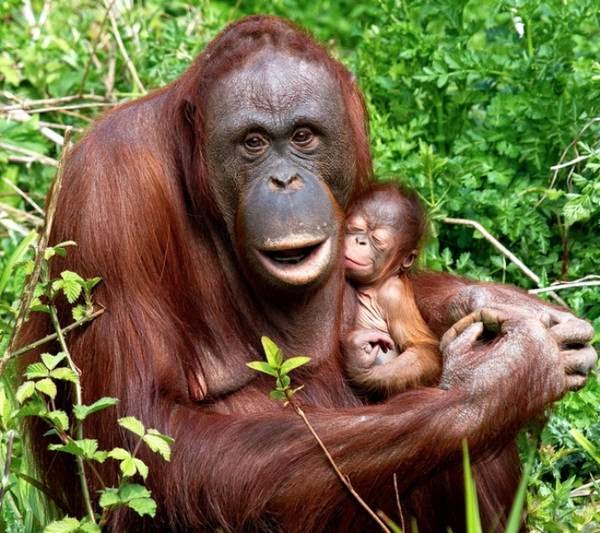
[(304, 138), (255, 143)]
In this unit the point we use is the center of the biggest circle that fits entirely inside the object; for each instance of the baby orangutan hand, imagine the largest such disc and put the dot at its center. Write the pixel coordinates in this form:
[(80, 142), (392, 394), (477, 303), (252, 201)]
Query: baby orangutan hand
[(362, 346)]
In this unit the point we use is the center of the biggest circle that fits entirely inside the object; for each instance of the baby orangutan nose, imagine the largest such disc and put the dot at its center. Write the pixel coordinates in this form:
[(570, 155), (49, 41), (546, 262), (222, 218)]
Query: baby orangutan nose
[(293, 183)]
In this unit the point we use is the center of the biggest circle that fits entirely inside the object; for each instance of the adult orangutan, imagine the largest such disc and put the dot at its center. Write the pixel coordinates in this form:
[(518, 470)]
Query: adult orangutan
[(212, 210)]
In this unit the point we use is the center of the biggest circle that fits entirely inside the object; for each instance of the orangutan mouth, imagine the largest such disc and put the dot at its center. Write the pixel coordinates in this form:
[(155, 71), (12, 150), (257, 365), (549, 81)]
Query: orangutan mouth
[(297, 262)]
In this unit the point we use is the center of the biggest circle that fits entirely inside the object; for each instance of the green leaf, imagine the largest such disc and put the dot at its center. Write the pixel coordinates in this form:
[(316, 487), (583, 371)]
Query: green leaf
[(119, 454), (585, 444), (64, 373), (71, 285), (59, 419), (25, 391), (143, 506), (471, 503), (128, 467), (82, 411), (262, 366), (100, 456), (50, 361), (36, 370), (141, 467), (46, 386), (166, 438), (84, 448), (277, 395), (513, 524), (14, 258), (131, 491), (110, 497), (89, 527), (272, 352), (158, 445), (78, 312), (66, 525), (132, 424), (292, 363)]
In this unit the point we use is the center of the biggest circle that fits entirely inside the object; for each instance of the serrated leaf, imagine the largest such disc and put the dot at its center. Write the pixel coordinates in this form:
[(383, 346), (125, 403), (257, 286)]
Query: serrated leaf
[(25, 391), (262, 366), (47, 386), (36, 370), (59, 419), (88, 527), (272, 352), (119, 454), (50, 361), (158, 445), (78, 312), (66, 525), (141, 467), (100, 456), (166, 438), (292, 363), (82, 411), (130, 491), (110, 497), (143, 506), (64, 373), (84, 447), (128, 467), (132, 424)]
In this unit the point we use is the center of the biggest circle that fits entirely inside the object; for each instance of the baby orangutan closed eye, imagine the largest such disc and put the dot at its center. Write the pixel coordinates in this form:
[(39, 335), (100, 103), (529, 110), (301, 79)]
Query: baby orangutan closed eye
[(384, 228)]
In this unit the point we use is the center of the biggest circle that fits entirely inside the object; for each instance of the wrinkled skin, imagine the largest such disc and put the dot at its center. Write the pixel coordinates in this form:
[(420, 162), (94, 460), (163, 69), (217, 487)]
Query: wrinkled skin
[(279, 153)]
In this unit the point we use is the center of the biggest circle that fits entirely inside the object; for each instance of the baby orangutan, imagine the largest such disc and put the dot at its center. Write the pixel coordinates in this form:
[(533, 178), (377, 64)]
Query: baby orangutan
[(383, 232)]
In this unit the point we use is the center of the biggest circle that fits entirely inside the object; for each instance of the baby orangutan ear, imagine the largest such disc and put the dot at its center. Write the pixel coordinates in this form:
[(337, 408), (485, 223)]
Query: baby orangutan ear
[(409, 259)]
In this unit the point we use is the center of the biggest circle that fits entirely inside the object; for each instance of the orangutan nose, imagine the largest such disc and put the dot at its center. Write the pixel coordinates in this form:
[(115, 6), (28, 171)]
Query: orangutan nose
[(361, 240), (293, 183)]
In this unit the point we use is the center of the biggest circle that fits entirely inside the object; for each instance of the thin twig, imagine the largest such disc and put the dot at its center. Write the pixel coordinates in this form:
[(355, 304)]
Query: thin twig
[(85, 105), (94, 47), (11, 225), (572, 162), (41, 249), (343, 478), (505, 251), (556, 168), (19, 115), (20, 214), (566, 285), (584, 490), (40, 158), (54, 336), (24, 195), (28, 104), (398, 504), (78, 423), (123, 50)]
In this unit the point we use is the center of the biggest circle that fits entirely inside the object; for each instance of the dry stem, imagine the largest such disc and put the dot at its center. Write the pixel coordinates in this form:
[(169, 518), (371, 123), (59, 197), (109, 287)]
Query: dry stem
[(344, 479), (505, 251)]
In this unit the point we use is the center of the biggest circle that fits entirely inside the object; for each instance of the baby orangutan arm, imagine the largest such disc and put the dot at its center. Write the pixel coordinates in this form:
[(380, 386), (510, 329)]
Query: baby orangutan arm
[(419, 362)]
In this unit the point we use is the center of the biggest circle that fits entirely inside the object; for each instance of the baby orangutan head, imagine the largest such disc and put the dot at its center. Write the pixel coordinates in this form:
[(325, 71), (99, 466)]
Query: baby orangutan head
[(384, 228)]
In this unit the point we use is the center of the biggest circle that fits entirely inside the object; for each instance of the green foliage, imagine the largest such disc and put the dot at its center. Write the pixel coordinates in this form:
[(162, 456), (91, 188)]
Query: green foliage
[(471, 102), (279, 368), (36, 395)]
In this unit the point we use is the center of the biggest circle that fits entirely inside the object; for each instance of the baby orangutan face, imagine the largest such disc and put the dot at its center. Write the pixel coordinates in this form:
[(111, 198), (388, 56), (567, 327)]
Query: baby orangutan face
[(368, 249)]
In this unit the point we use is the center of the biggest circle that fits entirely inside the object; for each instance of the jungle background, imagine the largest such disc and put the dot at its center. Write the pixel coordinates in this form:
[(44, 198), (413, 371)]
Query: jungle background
[(489, 108)]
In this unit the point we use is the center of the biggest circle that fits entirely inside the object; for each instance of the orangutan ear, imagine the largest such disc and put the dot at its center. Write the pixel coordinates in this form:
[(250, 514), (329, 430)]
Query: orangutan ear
[(409, 259)]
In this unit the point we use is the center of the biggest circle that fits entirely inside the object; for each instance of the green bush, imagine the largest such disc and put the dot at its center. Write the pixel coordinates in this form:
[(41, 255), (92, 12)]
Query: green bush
[(471, 102)]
